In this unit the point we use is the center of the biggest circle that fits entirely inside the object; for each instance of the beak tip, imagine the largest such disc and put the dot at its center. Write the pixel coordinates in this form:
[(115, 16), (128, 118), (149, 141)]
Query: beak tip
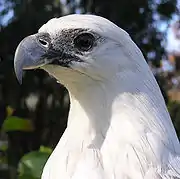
[(19, 80), (18, 64), (18, 77), (28, 54)]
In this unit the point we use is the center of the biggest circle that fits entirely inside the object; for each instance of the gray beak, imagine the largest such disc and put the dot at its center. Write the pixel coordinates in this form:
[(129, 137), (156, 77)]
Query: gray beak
[(30, 54)]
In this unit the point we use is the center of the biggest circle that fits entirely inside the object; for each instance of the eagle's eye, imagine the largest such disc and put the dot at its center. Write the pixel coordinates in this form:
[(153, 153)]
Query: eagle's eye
[(84, 42)]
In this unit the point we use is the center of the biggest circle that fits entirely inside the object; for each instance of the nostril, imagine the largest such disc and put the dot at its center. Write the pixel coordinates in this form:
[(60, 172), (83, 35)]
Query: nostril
[(43, 42)]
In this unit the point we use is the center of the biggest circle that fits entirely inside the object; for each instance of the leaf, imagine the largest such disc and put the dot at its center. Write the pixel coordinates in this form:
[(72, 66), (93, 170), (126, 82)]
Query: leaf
[(45, 149), (14, 123), (31, 165)]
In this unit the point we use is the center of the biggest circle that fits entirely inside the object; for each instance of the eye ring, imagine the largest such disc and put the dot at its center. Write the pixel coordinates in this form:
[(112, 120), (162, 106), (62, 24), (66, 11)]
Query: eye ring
[(84, 42)]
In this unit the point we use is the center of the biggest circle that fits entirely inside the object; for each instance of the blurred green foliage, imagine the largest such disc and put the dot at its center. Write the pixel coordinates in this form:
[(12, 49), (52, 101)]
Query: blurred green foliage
[(14, 123), (31, 164), (40, 106)]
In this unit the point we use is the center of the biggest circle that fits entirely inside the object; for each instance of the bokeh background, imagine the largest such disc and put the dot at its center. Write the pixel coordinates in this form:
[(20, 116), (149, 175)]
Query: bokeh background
[(33, 115)]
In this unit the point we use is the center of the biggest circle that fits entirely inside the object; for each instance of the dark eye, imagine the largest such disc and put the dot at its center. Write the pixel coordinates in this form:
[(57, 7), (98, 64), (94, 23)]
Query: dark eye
[(84, 42)]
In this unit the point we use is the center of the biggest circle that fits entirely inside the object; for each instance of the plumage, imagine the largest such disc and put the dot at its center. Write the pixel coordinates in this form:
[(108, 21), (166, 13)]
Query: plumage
[(118, 124)]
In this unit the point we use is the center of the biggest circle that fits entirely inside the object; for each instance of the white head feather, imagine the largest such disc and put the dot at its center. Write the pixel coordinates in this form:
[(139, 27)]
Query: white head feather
[(118, 124)]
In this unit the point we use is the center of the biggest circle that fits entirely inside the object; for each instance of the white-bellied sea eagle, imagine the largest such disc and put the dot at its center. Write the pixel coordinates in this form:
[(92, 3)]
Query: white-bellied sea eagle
[(118, 124)]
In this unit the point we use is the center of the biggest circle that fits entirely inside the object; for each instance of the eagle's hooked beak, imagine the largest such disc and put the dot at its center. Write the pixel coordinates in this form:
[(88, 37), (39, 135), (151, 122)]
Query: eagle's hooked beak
[(28, 55), (33, 52)]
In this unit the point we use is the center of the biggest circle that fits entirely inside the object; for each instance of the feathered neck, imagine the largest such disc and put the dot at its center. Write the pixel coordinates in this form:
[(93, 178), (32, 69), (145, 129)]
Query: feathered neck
[(132, 104), (125, 118), (123, 121)]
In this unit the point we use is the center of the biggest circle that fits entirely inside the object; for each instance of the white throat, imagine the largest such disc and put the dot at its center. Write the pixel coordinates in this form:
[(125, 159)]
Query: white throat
[(115, 121)]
